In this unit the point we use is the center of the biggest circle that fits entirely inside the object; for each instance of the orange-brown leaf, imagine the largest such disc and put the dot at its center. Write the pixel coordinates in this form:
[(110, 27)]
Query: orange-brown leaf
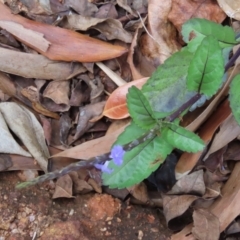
[(116, 106), (65, 45)]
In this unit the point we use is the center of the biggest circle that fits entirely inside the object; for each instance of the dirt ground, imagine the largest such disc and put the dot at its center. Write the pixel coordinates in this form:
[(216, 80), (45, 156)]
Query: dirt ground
[(32, 214)]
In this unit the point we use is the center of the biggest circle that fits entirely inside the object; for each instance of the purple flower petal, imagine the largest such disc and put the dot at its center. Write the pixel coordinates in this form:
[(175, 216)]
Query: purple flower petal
[(117, 154), (103, 167)]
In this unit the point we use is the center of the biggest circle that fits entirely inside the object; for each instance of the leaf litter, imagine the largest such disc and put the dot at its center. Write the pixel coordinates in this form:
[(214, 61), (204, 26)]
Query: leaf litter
[(68, 92)]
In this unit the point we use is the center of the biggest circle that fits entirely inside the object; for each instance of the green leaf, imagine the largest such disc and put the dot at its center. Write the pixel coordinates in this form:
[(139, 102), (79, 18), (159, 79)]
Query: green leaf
[(200, 28), (138, 163), (166, 88), (234, 97), (139, 109), (206, 68), (131, 133), (181, 138)]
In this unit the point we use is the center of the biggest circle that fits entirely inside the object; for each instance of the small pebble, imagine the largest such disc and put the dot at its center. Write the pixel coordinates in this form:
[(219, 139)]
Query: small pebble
[(140, 235), (71, 212)]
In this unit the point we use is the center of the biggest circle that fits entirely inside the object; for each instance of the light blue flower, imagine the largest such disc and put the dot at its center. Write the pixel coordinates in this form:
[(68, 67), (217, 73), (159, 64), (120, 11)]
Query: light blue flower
[(117, 154), (103, 167)]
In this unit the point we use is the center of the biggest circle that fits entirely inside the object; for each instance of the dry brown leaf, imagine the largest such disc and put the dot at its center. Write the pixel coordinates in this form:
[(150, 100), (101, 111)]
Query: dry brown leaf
[(23, 163), (25, 125), (110, 28), (28, 36), (188, 160), (36, 66), (135, 71), (64, 42), (229, 130), (124, 5), (85, 114), (231, 8), (226, 208), (206, 225), (183, 10), (139, 192), (63, 187), (92, 148), (7, 85), (175, 206), (58, 92), (161, 42), (83, 7), (5, 162), (189, 184)]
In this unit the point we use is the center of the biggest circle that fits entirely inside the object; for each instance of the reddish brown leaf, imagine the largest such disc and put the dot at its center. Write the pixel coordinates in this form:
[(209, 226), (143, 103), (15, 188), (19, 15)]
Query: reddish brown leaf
[(65, 44), (116, 106), (182, 10)]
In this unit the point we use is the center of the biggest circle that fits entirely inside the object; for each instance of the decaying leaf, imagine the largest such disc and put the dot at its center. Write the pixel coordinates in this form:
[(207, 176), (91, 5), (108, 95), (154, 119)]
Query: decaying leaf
[(25, 125), (63, 187)]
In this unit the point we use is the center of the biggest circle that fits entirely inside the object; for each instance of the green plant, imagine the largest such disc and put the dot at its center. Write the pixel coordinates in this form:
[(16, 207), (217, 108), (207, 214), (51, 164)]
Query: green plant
[(185, 81)]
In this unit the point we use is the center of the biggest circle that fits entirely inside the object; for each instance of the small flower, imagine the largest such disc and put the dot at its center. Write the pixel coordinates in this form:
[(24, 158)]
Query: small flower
[(103, 167), (117, 154)]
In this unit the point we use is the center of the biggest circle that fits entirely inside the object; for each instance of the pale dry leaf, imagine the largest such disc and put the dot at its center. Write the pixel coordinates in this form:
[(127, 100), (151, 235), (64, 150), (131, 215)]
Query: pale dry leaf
[(25, 125), (231, 8), (8, 144), (229, 130), (37, 66), (189, 184), (25, 35), (206, 225)]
